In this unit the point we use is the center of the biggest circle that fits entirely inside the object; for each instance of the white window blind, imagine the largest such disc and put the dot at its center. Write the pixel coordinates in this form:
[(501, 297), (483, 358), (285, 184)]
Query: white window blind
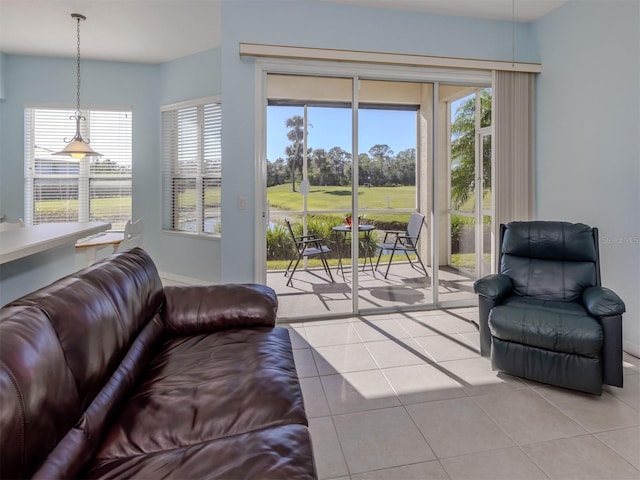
[(192, 167), (61, 189)]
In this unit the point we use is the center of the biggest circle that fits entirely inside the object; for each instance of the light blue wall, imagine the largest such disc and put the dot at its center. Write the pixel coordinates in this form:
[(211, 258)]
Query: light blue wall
[(2, 69), (188, 78), (1, 76), (30, 80), (144, 88), (325, 25), (588, 134)]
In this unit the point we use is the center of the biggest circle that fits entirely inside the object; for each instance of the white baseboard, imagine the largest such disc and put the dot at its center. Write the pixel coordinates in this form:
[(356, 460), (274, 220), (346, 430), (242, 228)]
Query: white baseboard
[(631, 348), (183, 279)]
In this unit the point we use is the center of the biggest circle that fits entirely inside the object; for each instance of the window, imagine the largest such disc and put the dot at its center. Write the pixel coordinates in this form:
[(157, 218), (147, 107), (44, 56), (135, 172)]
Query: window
[(192, 166), (61, 189)]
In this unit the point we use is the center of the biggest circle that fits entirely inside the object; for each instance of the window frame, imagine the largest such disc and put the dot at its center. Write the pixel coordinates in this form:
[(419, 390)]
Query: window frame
[(171, 167), (85, 175)]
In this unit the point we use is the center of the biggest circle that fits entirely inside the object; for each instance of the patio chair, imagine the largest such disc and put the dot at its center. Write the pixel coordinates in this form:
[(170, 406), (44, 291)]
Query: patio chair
[(132, 236), (403, 241), (307, 246)]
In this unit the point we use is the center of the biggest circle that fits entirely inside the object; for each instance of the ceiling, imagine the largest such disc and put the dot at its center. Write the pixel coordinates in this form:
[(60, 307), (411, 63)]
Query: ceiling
[(156, 31), (145, 31), (521, 10)]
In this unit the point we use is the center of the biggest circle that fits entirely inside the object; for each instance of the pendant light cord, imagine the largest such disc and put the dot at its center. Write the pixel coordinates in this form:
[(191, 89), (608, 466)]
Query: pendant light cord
[(78, 69)]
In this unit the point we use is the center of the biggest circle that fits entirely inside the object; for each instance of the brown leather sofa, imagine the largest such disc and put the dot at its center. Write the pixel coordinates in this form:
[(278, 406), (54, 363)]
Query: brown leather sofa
[(106, 374)]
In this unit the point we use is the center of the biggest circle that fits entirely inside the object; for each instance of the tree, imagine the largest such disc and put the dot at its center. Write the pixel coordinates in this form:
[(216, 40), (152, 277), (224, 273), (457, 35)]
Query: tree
[(463, 138), (277, 172), (365, 169), (381, 158), (294, 151), (404, 167), (341, 162), (324, 171)]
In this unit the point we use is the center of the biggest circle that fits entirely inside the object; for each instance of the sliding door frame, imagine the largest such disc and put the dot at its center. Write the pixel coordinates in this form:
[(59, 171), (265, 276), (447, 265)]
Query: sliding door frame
[(264, 67)]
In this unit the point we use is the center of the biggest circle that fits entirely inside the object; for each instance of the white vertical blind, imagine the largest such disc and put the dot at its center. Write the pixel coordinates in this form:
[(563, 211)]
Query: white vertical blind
[(513, 121), (192, 167), (61, 189)]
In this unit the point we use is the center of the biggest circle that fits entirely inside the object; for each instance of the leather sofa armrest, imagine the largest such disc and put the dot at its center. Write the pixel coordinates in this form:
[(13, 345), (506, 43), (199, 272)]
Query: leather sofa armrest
[(602, 302), (493, 286), (201, 309)]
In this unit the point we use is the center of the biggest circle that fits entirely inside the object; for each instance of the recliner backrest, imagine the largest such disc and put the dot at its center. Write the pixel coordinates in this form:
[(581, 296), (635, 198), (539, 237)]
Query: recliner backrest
[(550, 260)]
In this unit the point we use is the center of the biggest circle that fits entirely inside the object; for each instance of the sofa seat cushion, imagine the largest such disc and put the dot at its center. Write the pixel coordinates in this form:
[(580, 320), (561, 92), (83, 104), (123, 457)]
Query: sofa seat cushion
[(558, 328), (203, 387), (282, 452)]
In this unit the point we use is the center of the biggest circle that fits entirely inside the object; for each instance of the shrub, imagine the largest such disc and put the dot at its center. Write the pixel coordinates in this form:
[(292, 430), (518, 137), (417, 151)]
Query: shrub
[(279, 243)]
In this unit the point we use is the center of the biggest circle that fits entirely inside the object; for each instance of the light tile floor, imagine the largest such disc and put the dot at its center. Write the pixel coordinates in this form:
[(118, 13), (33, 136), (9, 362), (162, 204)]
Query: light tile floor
[(407, 396)]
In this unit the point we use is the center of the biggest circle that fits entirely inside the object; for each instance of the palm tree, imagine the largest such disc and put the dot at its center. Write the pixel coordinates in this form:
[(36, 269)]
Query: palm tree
[(294, 151), (463, 138)]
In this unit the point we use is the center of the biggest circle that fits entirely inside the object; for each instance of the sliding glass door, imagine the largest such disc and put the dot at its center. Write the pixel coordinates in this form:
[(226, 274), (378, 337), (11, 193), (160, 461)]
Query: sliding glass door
[(309, 193), (351, 157), (329, 210), (470, 171)]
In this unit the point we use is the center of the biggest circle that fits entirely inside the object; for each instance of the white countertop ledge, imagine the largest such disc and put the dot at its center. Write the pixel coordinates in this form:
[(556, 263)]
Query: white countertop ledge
[(22, 242)]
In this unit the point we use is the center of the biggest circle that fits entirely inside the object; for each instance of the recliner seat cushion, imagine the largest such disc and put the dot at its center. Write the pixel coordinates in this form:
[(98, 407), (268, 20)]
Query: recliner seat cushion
[(547, 329)]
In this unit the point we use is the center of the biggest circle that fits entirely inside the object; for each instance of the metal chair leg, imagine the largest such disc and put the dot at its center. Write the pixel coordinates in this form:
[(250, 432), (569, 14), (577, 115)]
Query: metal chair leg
[(389, 264), (289, 284), (421, 264)]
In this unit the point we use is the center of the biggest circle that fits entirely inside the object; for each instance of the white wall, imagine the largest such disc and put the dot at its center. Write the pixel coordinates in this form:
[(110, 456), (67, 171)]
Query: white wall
[(588, 135)]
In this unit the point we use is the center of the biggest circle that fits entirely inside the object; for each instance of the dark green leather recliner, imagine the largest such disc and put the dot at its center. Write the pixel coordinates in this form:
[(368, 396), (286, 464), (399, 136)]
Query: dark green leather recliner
[(545, 316)]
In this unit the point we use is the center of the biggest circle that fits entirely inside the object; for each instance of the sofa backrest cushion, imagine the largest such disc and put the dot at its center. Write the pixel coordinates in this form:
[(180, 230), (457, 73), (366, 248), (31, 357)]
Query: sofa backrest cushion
[(38, 397), (93, 316), (70, 455), (550, 260)]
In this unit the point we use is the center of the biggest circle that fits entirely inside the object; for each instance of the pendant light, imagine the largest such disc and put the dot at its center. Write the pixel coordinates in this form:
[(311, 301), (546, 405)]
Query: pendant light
[(78, 147)]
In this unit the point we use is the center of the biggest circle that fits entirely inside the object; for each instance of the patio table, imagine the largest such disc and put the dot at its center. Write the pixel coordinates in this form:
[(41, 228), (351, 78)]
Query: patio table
[(344, 230)]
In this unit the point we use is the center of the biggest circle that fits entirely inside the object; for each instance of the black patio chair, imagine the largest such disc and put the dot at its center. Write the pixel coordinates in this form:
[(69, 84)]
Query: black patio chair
[(307, 246)]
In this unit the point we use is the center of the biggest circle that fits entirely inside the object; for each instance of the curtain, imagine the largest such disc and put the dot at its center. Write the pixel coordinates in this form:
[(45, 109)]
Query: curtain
[(513, 129)]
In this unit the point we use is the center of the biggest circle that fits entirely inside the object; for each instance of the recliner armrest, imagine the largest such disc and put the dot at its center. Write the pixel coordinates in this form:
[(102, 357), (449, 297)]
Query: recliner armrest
[(207, 308), (602, 302), (493, 286)]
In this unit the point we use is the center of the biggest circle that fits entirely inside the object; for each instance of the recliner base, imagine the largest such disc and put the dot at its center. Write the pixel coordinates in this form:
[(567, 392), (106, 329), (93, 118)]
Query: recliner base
[(565, 370)]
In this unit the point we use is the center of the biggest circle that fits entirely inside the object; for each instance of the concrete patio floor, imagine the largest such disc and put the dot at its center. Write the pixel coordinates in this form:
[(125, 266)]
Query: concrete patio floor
[(312, 294)]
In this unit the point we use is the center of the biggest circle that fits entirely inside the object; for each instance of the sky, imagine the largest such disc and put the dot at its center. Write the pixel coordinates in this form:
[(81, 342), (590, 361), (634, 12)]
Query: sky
[(331, 127)]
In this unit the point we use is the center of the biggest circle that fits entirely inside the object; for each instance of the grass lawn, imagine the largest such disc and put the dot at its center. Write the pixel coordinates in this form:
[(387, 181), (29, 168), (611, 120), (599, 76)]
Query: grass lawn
[(281, 197), (100, 207)]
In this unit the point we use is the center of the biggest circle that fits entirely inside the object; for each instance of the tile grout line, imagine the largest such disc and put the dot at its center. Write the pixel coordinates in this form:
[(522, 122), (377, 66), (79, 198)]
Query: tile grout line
[(402, 404), (473, 397), (333, 423)]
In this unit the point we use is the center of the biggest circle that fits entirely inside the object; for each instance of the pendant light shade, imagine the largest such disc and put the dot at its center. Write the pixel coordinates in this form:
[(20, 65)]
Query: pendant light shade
[(78, 147)]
